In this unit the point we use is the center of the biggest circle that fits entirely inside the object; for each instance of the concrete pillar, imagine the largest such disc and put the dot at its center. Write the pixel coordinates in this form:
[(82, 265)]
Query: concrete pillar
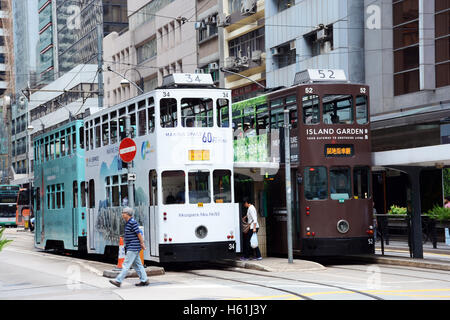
[(426, 45), (416, 220)]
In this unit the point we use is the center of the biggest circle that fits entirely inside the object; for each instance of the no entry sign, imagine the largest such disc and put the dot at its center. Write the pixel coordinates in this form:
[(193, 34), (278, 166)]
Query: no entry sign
[(127, 150)]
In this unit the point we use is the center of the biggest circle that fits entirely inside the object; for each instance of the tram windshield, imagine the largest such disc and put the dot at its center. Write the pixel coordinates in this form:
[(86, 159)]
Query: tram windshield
[(316, 186), (340, 186), (199, 186), (222, 186)]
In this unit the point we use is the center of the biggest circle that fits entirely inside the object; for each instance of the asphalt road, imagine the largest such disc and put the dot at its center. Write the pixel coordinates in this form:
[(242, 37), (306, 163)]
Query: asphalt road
[(27, 273)]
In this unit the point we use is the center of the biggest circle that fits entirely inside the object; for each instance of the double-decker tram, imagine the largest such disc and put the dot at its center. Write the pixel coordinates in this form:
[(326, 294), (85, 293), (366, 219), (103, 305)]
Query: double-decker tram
[(8, 204), (330, 165), (183, 171), (59, 183)]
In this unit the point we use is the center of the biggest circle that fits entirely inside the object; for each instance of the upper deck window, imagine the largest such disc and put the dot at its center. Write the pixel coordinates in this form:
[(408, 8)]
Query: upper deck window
[(362, 115), (168, 112), (311, 111), (337, 109), (223, 113), (197, 112)]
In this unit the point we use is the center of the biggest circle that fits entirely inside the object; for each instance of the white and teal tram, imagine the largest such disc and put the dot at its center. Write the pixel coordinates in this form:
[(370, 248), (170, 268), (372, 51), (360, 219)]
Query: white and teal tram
[(184, 190)]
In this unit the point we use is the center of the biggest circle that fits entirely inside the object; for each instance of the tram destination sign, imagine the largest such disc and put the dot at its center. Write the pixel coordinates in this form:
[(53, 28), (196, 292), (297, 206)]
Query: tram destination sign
[(339, 150), (127, 150)]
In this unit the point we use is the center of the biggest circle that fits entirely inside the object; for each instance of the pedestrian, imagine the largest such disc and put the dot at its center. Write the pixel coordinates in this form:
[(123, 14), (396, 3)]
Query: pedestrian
[(134, 242), (447, 202), (252, 220)]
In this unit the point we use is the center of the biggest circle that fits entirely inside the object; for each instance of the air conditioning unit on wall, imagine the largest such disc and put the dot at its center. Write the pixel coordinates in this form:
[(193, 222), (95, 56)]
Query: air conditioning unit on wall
[(213, 66), (248, 7)]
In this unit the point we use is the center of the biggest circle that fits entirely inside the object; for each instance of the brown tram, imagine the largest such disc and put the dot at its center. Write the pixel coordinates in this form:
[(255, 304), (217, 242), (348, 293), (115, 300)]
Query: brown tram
[(332, 206)]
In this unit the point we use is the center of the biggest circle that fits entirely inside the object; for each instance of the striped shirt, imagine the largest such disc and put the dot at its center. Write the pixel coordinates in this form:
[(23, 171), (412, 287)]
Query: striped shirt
[(132, 242)]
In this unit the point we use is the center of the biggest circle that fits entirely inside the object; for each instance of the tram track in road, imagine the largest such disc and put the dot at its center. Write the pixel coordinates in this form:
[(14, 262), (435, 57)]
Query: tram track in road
[(303, 296), (399, 274)]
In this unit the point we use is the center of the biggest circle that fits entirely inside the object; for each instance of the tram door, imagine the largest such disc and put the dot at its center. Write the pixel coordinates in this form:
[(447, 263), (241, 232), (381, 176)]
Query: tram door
[(153, 212)]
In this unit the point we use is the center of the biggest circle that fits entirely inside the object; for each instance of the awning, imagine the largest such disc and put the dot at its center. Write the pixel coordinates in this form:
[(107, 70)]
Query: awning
[(432, 156)]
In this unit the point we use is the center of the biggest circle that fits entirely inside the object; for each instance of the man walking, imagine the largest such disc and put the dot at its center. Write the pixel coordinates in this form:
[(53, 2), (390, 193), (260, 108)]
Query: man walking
[(252, 220), (134, 242)]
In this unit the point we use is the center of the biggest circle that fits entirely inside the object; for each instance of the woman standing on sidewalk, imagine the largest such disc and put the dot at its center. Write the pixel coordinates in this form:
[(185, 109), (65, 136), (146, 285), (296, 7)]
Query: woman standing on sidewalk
[(252, 220)]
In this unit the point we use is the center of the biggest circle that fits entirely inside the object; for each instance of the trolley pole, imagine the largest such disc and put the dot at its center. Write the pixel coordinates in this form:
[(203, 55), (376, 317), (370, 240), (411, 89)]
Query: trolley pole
[(287, 161), (129, 166)]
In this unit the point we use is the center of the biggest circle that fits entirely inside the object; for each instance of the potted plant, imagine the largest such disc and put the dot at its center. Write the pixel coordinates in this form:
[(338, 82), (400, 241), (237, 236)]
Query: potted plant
[(441, 215)]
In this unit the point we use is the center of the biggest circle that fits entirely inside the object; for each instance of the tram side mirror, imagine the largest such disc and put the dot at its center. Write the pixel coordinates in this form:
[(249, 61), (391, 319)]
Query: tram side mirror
[(299, 179)]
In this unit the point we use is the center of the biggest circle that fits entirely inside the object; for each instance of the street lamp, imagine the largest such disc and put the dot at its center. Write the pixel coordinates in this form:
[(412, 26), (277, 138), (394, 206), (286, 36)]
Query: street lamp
[(125, 83)]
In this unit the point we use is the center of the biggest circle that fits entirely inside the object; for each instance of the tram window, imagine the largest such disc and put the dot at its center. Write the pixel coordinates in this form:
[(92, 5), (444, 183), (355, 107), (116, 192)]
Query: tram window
[(81, 132), (58, 196), (223, 113), (153, 187), (361, 182), (222, 186), (340, 187), (173, 187), (83, 194), (141, 104), (113, 131), (338, 109), (142, 122), (199, 190), (87, 141), (197, 112), (91, 138), (362, 116), (52, 196), (63, 146), (310, 106), (105, 133), (122, 130), (151, 119), (168, 112), (277, 118), (316, 183), (91, 193), (74, 140), (124, 190), (151, 115), (48, 197), (115, 196), (69, 144), (38, 198), (133, 124), (293, 117), (262, 122), (97, 137), (75, 194)]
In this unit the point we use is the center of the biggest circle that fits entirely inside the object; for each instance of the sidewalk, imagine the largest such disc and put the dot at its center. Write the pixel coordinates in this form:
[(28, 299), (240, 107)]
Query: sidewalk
[(396, 253)]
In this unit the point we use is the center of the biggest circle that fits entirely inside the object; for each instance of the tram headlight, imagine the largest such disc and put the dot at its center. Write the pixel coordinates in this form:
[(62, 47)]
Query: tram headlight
[(343, 226), (201, 232)]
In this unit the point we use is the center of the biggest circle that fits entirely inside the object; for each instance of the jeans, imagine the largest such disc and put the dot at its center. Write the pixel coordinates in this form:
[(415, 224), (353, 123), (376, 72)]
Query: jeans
[(132, 259)]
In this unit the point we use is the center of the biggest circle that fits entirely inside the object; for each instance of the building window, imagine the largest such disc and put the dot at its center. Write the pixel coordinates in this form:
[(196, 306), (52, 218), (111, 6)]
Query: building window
[(146, 51), (406, 46), (284, 55), (442, 42), (319, 41), (247, 43)]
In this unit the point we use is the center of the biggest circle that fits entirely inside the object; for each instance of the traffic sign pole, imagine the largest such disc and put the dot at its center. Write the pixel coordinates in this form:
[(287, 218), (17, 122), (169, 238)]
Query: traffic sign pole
[(129, 166)]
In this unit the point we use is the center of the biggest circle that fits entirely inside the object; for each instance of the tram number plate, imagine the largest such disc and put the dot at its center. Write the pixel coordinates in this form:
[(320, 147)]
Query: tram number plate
[(232, 246)]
